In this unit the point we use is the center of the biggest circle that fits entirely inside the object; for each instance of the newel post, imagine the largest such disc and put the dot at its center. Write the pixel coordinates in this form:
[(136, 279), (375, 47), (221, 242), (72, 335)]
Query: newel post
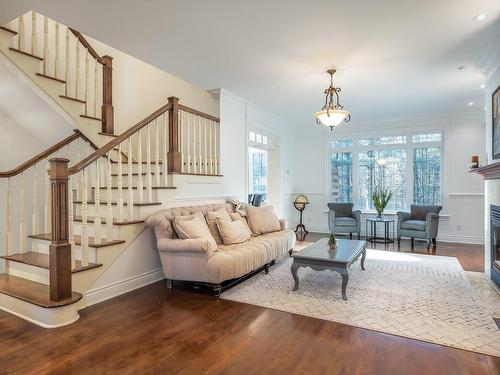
[(107, 95), (60, 248), (174, 141)]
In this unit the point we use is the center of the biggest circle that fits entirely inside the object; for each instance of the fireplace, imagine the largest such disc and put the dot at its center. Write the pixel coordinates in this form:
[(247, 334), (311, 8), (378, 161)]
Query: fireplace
[(495, 243)]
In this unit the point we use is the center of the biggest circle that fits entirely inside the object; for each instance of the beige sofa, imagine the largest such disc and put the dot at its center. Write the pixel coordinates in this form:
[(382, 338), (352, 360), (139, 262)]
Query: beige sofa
[(192, 259)]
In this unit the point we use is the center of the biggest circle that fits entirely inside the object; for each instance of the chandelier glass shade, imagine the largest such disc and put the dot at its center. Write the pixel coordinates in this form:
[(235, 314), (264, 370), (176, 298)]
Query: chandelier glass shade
[(332, 113)]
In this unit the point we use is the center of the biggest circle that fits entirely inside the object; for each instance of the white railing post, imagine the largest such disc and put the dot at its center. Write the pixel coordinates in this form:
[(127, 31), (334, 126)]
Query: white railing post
[(66, 65), (71, 224), (34, 41), (140, 185), (35, 216), (56, 62), (86, 83), (77, 70), (84, 234), (45, 45), (21, 34), (120, 185), (157, 152), (23, 240), (165, 150), (48, 199), (109, 206), (96, 87), (10, 223), (129, 182), (149, 179), (97, 205)]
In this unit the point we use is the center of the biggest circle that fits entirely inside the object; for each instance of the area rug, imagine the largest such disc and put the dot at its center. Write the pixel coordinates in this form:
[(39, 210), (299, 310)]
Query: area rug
[(423, 297)]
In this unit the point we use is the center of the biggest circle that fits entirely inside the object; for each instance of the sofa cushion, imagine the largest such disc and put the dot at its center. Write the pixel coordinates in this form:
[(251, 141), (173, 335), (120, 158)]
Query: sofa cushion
[(345, 222), (414, 225), (232, 232), (262, 220), (193, 227), (212, 217), (238, 216)]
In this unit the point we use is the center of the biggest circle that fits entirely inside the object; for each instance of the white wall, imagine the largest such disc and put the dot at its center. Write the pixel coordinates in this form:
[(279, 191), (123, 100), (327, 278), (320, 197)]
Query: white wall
[(464, 195), (492, 187)]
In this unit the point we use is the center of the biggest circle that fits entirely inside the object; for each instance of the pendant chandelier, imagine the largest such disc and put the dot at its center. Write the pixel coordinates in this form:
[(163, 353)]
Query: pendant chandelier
[(332, 113)]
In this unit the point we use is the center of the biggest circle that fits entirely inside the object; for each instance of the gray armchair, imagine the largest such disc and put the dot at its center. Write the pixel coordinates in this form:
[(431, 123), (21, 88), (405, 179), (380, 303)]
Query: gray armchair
[(342, 219), (421, 222)]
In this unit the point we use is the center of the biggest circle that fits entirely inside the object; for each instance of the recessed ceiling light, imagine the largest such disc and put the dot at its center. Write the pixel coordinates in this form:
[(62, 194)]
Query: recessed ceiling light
[(480, 17), (461, 67), (482, 86), (471, 104)]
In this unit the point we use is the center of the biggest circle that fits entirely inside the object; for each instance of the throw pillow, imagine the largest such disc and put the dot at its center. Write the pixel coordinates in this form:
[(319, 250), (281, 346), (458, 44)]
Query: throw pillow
[(232, 232), (237, 216), (212, 217), (262, 220), (193, 227)]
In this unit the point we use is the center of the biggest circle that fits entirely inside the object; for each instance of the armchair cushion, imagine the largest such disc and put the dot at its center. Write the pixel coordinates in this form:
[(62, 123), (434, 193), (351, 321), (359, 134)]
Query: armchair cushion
[(420, 211), (414, 225), (341, 209), (345, 222)]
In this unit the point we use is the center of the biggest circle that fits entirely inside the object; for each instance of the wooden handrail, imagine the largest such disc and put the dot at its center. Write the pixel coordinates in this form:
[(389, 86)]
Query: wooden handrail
[(116, 141), (198, 113), (87, 45), (34, 160)]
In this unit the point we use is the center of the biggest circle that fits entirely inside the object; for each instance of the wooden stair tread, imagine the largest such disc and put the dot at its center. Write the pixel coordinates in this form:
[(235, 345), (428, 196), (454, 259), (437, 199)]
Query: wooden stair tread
[(136, 162), (41, 260), (50, 77), (103, 203), (144, 187), (26, 53), (32, 292), (71, 98), (8, 30), (133, 174), (91, 117), (78, 240), (78, 219)]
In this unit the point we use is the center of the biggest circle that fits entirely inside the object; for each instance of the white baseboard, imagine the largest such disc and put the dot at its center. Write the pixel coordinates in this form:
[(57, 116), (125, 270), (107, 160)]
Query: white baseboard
[(120, 287), (442, 237)]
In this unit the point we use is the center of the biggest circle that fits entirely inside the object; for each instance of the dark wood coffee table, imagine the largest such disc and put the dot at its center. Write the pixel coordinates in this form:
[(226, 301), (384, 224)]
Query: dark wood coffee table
[(320, 257)]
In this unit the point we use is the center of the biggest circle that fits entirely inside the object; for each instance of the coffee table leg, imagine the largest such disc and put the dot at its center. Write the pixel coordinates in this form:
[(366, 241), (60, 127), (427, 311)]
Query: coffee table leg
[(345, 279), (294, 269), (363, 256)]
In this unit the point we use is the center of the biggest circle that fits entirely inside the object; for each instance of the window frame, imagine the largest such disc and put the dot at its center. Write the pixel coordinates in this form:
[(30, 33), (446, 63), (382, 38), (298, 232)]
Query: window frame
[(409, 147)]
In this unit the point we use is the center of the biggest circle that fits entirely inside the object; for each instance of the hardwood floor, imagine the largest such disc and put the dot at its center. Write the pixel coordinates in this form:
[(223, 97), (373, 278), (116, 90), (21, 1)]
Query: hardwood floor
[(152, 331)]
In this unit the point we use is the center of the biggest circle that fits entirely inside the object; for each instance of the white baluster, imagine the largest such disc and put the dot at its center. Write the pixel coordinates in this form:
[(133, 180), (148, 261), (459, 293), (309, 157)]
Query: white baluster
[(10, 223), (22, 217), (45, 45), (56, 62), (79, 176), (86, 82), (187, 142), (194, 159), (96, 86), (165, 150), (149, 179), (216, 148), (140, 185), (97, 205), (120, 185), (34, 41), (84, 234), (205, 147), (66, 65), (109, 206), (71, 227), (48, 205), (21, 34), (210, 152), (35, 216), (157, 152), (77, 70), (129, 182)]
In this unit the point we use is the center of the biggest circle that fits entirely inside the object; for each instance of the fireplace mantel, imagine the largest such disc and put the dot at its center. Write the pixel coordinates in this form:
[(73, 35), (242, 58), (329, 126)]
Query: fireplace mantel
[(489, 172)]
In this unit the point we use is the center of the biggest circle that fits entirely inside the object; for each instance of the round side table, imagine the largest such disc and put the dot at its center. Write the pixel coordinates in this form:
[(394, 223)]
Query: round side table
[(373, 229)]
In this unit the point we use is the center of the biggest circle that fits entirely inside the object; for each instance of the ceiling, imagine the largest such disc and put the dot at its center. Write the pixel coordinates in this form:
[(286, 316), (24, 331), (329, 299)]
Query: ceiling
[(396, 58)]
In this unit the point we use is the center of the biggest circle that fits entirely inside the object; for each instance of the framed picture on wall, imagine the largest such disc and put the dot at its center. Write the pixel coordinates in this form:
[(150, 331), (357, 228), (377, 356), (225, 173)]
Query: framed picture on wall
[(495, 122)]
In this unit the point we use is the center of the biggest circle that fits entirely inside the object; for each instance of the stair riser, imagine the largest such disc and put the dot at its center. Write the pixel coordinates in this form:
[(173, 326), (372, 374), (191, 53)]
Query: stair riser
[(43, 247), (27, 64), (135, 168), (138, 212), (5, 40), (26, 271), (136, 179), (125, 193)]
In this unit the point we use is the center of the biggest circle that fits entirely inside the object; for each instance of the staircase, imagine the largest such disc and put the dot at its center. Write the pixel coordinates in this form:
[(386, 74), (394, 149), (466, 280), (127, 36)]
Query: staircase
[(74, 208)]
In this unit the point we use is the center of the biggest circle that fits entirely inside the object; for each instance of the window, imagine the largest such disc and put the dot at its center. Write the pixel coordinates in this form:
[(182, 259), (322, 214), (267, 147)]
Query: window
[(257, 171), (341, 167), (382, 169), (426, 175), (409, 164)]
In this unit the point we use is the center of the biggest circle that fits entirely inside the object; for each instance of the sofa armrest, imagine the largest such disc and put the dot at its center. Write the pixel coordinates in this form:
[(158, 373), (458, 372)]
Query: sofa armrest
[(431, 225), (197, 245), (283, 224)]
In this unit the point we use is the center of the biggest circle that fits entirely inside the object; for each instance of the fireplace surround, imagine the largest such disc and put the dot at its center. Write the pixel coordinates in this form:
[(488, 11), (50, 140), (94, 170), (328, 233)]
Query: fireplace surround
[(495, 243)]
